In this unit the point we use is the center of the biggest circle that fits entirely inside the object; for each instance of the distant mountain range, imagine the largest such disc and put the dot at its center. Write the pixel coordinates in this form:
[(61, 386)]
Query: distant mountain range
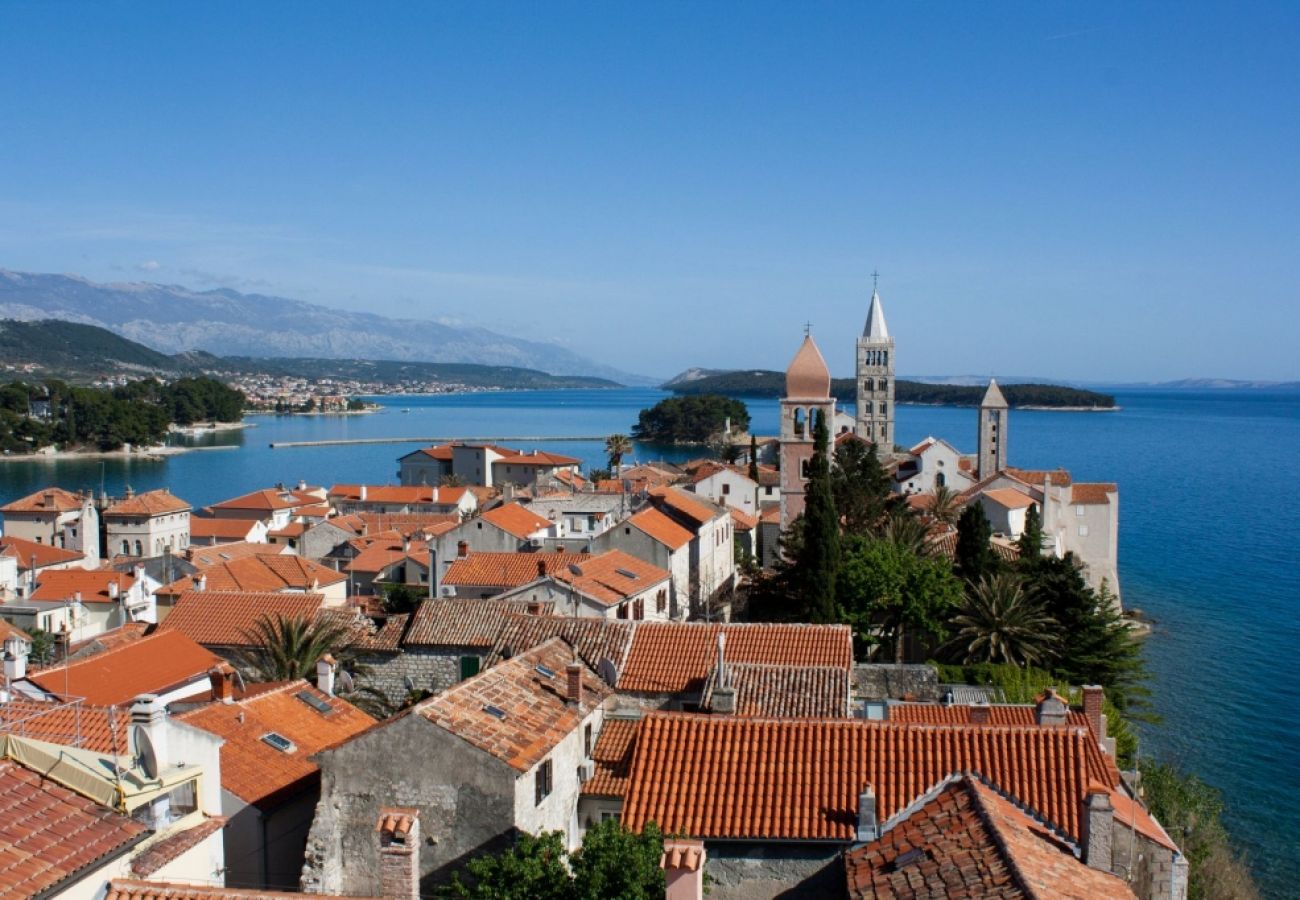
[(173, 319), (1184, 384), (77, 352)]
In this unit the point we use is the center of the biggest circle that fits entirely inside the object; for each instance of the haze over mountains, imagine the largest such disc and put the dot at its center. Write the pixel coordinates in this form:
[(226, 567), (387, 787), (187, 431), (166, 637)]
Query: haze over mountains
[(171, 319)]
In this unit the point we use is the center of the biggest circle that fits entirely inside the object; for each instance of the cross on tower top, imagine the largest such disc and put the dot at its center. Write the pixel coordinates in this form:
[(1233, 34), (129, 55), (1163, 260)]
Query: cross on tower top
[(807, 329), (875, 280)]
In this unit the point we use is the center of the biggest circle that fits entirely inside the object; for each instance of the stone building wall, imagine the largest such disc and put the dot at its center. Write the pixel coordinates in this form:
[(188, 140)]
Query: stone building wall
[(752, 871), (1153, 871), (428, 668)]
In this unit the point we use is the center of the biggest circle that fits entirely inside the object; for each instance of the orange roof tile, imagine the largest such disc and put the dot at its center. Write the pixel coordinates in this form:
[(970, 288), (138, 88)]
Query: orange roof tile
[(661, 528), (253, 770), (799, 779), (742, 520), (675, 657), (259, 573), (151, 665), (612, 756), (48, 833), (174, 846), (464, 623), (380, 555), (205, 557), (8, 630), (396, 493), (1037, 477), (224, 618), (292, 530), (538, 458), (129, 889), (535, 715), (514, 519), (975, 842), (92, 584), (612, 577), (268, 500), (783, 691), (697, 510), (51, 499), (150, 503), (409, 523), (99, 728), (45, 555), (1010, 498), (228, 529), (507, 570), (594, 639), (1093, 493)]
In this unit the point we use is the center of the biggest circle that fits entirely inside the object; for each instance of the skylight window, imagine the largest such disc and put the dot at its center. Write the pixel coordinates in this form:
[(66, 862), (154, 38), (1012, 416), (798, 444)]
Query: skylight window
[(495, 711), (279, 742), (626, 574), (315, 702), (545, 672)]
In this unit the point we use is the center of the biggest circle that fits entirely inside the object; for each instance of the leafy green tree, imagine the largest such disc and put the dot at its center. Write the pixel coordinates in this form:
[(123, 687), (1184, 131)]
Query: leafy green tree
[(43, 644), (819, 556), (615, 862), (690, 420), (886, 589), (599, 474), (402, 598), (975, 558), (1000, 622), (1031, 538), (286, 649), (616, 447), (533, 869), (860, 485)]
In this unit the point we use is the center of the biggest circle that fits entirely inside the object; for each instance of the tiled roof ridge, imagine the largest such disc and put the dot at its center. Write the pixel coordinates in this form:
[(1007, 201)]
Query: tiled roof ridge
[(160, 853), (1009, 856), (97, 657)]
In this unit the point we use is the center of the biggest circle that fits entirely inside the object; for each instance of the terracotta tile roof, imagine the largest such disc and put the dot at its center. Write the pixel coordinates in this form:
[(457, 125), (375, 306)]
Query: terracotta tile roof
[(516, 520), (651, 474), (23, 551), (695, 509), (260, 573), (1010, 498), (109, 640), (507, 570), (99, 728), (782, 691), (535, 715), (612, 577), (92, 584), (465, 623), (222, 618), (229, 529), (538, 458), (150, 503), (676, 657), (1093, 493), (386, 636), (680, 853), (1037, 477), (742, 520), (923, 446), (407, 524), (969, 840), (1005, 548), (292, 530), (151, 665), (51, 499), (268, 500), (206, 557), (253, 770), (129, 889), (8, 630), (661, 528), (612, 756), (731, 777), (441, 452), (48, 833), (770, 514), (174, 846), (379, 555), (319, 511), (594, 639)]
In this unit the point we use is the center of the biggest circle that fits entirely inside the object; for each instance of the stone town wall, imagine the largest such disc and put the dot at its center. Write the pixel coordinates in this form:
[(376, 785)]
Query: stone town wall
[(752, 871)]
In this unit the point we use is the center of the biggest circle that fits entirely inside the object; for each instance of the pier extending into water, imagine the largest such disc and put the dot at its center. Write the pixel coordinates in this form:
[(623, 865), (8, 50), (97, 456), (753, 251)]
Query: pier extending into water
[(525, 439)]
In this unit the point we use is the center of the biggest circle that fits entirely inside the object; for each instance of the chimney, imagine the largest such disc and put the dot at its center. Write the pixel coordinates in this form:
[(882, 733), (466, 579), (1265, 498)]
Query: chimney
[(325, 675), (399, 852), (508, 492), (1096, 826), (201, 583), (683, 865), (1051, 710), (573, 683), (137, 572), (47, 499), (979, 713), (363, 492), (222, 677), (114, 591), (462, 549), (149, 712), (406, 544), (16, 651), (724, 695), (867, 827), (1092, 703), (435, 574), (302, 485), (541, 568)]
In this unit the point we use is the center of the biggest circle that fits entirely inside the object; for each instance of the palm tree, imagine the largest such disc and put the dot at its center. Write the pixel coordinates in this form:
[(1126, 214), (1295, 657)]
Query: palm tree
[(1001, 623), (286, 649), (616, 447), (907, 531), (945, 505)]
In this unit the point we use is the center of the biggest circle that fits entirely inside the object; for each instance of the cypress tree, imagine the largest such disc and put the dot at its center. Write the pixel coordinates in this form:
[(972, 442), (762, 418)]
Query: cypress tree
[(819, 557), (974, 555), (1031, 539), (753, 458)]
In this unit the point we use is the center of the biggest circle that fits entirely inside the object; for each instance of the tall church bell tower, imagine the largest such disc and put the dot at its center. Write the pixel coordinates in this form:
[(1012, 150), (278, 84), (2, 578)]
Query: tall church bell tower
[(875, 376)]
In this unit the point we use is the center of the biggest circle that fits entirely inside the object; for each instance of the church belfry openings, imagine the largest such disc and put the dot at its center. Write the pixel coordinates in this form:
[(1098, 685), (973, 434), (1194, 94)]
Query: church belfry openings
[(875, 379)]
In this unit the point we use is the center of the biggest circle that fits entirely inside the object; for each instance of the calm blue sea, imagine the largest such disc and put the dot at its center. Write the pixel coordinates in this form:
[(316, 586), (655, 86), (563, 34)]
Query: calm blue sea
[(1207, 549)]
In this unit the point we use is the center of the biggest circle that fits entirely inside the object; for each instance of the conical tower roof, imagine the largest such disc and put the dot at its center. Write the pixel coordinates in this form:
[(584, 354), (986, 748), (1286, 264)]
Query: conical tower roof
[(993, 396), (876, 327), (808, 377)]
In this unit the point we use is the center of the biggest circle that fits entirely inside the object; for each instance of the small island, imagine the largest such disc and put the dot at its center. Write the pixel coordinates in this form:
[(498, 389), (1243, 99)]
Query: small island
[(765, 383), (694, 419)]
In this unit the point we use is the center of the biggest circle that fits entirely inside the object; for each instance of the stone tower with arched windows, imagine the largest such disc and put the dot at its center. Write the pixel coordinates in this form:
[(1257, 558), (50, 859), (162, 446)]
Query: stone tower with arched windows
[(993, 431), (807, 390), (875, 371)]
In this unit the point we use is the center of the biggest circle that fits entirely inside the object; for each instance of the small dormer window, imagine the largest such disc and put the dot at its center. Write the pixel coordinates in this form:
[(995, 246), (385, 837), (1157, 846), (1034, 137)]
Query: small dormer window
[(279, 742)]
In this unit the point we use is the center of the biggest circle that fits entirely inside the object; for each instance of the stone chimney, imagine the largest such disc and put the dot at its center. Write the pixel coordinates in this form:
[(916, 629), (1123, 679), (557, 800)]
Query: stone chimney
[(1051, 709), (462, 549), (868, 829), (1096, 826), (979, 713), (683, 865), (724, 694), (16, 651), (573, 683), (541, 568), (1093, 694), (435, 574), (222, 677), (399, 852), (149, 712), (325, 675)]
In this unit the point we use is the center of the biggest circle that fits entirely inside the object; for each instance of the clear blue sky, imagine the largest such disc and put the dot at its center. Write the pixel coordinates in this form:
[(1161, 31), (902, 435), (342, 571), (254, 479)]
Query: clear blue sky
[(1076, 190)]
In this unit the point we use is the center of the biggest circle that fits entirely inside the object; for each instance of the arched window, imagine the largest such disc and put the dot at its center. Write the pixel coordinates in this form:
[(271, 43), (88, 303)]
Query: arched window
[(139, 549), (868, 384), (940, 480), (126, 548), (803, 469), (884, 384), (868, 408), (798, 416)]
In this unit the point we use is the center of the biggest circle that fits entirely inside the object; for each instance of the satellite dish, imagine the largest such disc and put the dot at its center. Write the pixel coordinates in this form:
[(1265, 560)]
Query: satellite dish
[(145, 756), (346, 684)]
